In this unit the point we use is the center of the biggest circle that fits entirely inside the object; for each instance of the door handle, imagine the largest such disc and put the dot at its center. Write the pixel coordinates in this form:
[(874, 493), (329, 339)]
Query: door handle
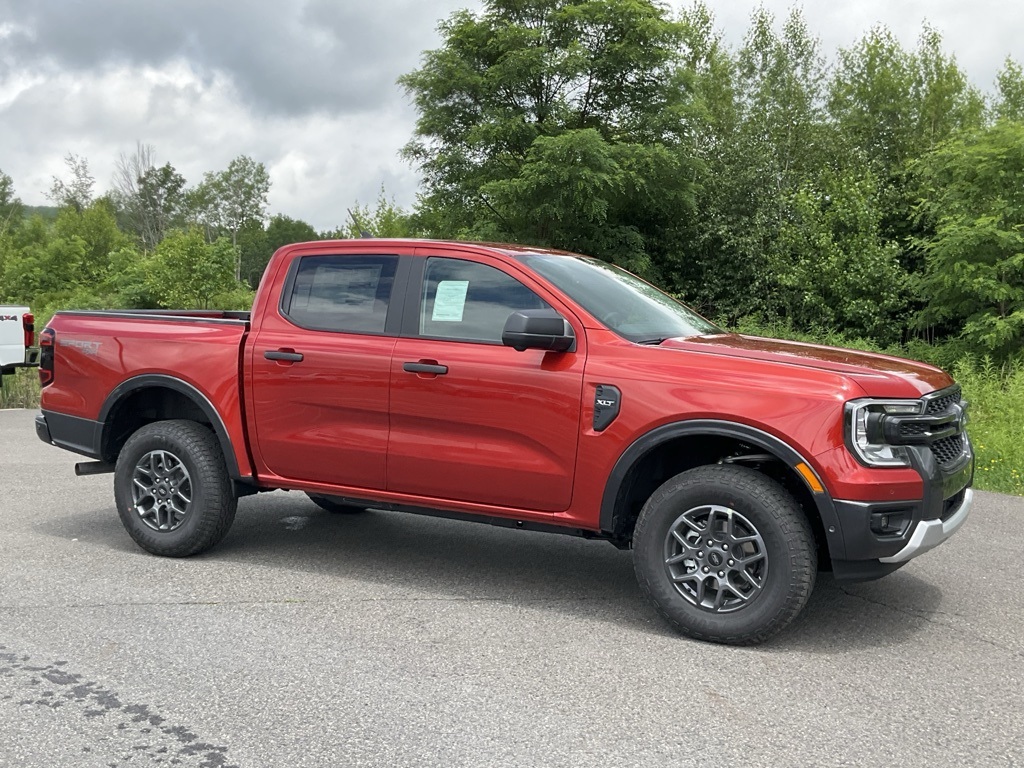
[(434, 368), (280, 354)]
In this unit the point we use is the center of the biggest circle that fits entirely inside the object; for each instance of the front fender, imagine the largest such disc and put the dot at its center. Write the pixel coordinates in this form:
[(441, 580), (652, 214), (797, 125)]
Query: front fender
[(719, 428)]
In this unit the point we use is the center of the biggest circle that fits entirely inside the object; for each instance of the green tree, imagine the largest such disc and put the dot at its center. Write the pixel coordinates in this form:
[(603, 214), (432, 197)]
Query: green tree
[(891, 106), (96, 226), (161, 193), (945, 100), (385, 219), (186, 272), (973, 206), (257, 244), (149, 199), (833, 270), (11, 209), (1009, 104), (765, 139), (519, 94), (75, 192), (229, 200), (67, 262), (871, 100)]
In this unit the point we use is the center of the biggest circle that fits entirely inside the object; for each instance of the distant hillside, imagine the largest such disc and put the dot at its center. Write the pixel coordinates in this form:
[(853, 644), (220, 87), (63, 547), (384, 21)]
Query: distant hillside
[(48, 212)]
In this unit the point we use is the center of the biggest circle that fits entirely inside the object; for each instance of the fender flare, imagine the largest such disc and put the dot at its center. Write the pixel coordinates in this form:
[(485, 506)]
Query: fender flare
[(696, 427), (201, 401)]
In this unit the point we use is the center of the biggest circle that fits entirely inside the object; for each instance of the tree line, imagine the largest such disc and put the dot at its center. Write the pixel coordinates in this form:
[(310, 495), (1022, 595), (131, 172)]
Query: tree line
[(876, 192), (150, 241)]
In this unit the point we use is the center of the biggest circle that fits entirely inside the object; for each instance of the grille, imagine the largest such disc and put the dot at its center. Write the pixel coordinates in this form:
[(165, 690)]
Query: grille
[(908, 428), (940, 404), (948, 449)]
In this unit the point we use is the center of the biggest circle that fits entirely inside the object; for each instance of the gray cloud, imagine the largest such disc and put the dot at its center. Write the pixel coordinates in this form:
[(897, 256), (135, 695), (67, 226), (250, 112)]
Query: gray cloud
[(283, 57)]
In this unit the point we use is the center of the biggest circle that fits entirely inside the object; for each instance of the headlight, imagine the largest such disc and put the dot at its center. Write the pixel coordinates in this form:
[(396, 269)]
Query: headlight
[(865, 436)]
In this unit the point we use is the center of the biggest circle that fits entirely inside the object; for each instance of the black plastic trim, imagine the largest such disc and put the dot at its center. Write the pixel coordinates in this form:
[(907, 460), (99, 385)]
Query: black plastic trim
[(864, 544), (410, 326), (72, 433), (848, 571), (607, 402), (279, 354), (439, 370), (648, 442), (148, 380), (470, 517), (42, 430)]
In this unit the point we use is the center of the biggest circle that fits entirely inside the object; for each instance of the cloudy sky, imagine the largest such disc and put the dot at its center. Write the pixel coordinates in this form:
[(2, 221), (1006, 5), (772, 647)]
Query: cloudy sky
[(308, 86)]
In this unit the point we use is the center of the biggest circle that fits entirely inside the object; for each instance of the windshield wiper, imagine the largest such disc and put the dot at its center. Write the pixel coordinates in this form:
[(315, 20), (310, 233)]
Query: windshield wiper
[(653, 342)]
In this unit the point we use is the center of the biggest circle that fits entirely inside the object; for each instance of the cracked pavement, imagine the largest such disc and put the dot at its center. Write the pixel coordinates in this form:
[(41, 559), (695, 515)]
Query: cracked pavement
[(309, 639)]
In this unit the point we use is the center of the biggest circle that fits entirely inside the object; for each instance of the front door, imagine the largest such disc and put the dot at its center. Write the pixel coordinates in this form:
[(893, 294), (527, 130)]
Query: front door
[(473, 420)]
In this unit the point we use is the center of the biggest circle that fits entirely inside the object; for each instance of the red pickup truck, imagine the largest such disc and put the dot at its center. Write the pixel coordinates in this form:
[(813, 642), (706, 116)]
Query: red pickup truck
[(521, 387)]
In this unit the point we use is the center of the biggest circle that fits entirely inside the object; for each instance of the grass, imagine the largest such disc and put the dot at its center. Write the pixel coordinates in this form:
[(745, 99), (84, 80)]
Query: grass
[(20, 390), (996, 395)]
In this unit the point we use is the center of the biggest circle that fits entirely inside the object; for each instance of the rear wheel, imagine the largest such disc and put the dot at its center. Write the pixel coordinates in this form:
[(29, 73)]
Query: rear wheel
[(336, 506), (172, 489), (725, 554)]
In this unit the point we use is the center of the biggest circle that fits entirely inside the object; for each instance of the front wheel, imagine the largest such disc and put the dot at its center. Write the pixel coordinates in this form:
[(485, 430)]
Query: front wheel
[(172, 489), (725, 554)]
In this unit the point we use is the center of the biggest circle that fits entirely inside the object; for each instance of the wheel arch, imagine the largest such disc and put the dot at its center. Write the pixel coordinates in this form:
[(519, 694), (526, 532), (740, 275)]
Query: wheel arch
[(147, 398), (672, 448)]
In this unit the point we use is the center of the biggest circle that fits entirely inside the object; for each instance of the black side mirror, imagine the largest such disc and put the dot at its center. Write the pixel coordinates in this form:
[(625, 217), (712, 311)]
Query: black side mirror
[(538, 329)]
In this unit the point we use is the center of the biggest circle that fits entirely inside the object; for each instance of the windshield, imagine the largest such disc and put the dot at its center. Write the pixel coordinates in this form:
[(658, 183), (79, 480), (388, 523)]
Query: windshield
[(626, 304)]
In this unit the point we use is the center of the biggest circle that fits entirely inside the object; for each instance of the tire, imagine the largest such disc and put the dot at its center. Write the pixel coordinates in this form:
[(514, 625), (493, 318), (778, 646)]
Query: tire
[(702, 591), (172, 489), (336, 506)]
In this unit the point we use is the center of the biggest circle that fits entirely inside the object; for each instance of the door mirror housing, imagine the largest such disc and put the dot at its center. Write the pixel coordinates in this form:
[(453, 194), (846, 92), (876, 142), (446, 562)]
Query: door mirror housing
[(538, 329)]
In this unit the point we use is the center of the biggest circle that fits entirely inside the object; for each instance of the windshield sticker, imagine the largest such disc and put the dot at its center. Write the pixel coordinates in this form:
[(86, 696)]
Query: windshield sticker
[(450, 301)]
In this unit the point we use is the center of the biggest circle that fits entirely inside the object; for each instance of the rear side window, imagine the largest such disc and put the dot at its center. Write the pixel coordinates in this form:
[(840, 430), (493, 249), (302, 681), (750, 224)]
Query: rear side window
[(342, 293), (467, 301)]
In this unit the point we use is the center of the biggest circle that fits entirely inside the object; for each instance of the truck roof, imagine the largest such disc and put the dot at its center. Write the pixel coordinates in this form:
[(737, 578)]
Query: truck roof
[(509, 249)]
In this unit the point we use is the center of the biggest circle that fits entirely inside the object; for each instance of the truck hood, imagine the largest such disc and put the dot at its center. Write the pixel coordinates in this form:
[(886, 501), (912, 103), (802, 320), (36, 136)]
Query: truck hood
[(878, 375)]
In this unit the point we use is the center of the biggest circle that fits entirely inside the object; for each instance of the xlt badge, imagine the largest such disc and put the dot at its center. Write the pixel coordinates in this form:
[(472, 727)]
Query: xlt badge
[(606, 406)]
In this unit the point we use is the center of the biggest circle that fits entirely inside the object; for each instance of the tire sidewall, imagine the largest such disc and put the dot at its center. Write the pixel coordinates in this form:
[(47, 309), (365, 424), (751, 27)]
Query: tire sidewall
[(684, 493)]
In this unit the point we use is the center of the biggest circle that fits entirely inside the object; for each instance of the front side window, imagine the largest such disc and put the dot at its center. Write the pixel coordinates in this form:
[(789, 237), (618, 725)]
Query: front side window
[(342, 293), (467, 301)]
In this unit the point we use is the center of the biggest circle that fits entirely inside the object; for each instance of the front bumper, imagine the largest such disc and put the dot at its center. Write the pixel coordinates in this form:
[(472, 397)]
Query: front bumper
[(928, 534), (922, 524)]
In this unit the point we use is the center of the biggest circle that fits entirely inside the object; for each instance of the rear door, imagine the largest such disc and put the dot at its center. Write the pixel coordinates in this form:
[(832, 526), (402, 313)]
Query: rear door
[(473, 420), (320, 367)]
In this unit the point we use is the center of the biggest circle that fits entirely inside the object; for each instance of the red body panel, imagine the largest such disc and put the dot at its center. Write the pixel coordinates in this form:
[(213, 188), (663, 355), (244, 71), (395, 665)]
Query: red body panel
[(503, 432), (96, 354)]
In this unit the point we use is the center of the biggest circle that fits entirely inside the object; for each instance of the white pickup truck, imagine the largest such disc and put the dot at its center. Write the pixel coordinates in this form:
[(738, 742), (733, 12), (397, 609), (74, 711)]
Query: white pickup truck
[(17, 339)]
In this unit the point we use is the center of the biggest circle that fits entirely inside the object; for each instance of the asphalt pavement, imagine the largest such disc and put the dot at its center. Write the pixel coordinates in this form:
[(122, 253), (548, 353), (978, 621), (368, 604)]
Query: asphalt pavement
[(382, 639)]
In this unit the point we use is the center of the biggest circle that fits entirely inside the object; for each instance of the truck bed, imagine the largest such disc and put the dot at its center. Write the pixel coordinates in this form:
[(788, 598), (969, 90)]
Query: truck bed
[(101, 357)]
